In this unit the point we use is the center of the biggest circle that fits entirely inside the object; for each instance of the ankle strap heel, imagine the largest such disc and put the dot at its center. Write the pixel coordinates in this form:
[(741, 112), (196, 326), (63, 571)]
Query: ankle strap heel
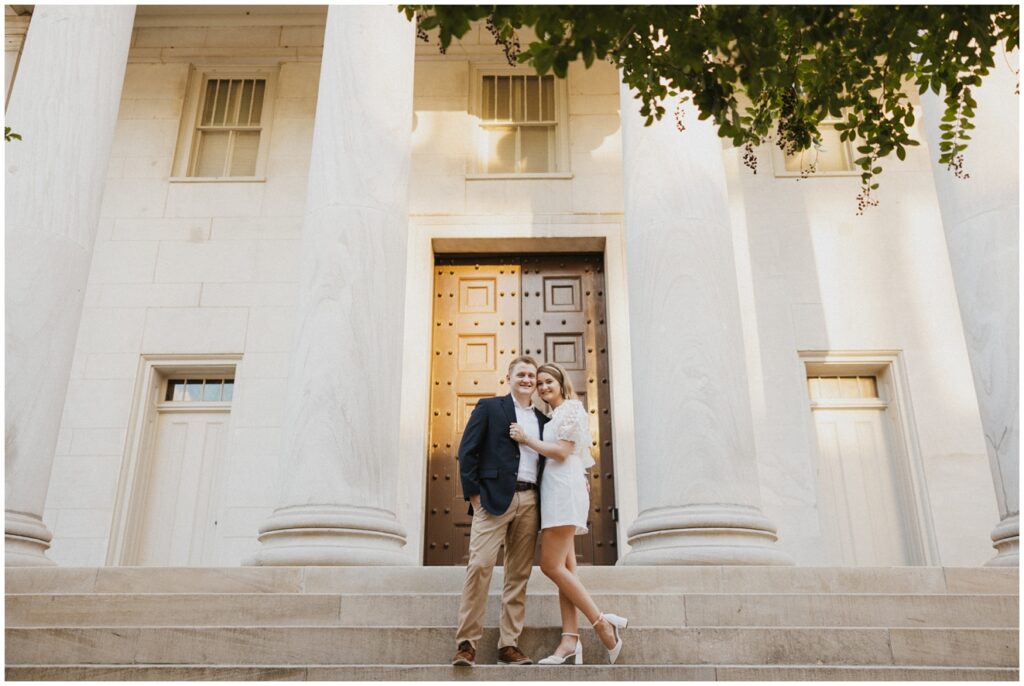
[(576, 655), (617, 623)]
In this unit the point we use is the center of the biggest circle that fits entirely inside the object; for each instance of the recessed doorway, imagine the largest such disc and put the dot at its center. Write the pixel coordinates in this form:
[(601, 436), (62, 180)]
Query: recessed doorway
[(488, 310)]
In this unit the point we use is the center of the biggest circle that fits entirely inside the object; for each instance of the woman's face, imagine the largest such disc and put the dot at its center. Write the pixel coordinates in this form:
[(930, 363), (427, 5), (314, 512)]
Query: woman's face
[(548, 388)]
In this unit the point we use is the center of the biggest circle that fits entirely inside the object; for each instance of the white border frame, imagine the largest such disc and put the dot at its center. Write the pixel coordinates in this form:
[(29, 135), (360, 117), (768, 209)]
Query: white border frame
[(519, 234), (190, 113), (146, 406), (478, 70), (778, 160), (894, 391)]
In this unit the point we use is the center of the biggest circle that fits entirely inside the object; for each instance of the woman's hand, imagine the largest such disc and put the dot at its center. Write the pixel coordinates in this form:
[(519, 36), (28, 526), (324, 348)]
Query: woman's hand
[(516, 433)]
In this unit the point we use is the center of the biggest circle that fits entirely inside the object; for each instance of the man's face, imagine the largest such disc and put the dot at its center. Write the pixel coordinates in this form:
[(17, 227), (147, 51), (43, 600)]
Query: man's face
[(522, 379)]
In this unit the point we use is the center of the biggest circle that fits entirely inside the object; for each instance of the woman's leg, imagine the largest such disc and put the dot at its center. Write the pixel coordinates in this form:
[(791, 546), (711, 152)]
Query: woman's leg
[(555, 548), (570, 616)]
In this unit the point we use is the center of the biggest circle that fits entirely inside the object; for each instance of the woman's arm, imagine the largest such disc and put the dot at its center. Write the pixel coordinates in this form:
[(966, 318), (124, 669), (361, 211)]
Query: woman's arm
[(558, 450)]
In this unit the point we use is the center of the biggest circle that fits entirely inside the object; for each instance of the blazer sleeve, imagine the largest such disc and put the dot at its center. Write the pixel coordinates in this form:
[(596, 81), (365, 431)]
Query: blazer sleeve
[(469, 450)]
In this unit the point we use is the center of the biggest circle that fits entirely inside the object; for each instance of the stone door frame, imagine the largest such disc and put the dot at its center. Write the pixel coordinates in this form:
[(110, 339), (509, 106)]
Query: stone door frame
[(432, 235), (152, 371)]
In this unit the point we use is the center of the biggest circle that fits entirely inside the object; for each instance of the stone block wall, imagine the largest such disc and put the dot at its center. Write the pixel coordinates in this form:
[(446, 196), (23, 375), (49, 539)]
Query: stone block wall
[(818, 277), (186, 268), (211, 268)]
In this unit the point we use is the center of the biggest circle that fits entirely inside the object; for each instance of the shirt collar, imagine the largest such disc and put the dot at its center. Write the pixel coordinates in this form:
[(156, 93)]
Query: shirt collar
[(518, 406)]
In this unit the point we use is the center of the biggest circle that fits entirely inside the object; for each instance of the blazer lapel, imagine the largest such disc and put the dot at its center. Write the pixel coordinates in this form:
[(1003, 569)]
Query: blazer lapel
[(509, 408)]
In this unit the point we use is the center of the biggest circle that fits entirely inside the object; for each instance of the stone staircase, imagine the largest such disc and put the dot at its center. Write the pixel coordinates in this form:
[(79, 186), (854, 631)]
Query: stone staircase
[(338, 623)]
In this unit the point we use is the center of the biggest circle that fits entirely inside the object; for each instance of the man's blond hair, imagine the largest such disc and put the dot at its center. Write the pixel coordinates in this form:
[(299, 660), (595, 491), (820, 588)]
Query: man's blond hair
[(524, 359)]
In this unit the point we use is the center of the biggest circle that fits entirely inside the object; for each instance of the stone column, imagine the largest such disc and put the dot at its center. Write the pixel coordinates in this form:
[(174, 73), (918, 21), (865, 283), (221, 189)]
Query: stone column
[(64, 104), (340, 462), (981, 216), (697, 475)]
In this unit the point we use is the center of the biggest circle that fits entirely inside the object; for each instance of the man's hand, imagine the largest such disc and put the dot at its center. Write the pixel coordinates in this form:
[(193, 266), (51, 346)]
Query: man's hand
[(474, 500)]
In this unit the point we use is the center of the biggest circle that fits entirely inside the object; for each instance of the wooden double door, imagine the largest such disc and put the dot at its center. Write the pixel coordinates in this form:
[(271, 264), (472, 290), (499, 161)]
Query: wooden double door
[(488, 311)]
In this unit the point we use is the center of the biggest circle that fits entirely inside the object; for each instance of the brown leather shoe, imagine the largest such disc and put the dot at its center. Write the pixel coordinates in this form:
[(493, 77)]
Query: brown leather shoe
[(466, 657), (511, 655)]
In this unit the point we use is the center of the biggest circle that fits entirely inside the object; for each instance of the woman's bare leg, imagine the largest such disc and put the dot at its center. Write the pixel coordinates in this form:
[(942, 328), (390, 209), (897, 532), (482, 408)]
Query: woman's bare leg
[(570, 616), (555, 548)]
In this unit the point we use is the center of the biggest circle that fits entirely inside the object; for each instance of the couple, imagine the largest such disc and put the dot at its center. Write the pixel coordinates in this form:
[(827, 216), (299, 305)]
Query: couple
[(507, 446)]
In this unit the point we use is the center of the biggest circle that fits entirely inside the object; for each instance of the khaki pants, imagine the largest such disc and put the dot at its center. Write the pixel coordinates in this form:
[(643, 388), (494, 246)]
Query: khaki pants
[(517, 529)]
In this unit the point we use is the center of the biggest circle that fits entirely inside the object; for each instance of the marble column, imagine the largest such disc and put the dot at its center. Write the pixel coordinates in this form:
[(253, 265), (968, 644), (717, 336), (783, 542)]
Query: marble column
[(697, 480), (340, 462), (980, 216), (64, 104)]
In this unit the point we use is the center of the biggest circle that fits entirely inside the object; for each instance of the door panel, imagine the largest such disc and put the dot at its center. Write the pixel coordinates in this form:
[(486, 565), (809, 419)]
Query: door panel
[(487, 312), (476, 311), (176, 524), (563, 322), (860, 488)]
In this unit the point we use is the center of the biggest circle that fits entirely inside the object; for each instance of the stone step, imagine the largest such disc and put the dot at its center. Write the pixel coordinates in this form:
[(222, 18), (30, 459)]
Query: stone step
[(503, 673), (434, 645), (432, 609), (621, 579)]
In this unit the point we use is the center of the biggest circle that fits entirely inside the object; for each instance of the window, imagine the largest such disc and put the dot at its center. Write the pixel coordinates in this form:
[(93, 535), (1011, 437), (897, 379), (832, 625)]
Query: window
[(225, 125), (842, 387), (199, 390), (228, 136), (833, 156), (517, 114), (521, 123)]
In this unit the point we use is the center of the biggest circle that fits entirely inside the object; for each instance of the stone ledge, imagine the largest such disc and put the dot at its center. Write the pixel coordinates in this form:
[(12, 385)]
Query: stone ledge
[(433, 609), (712, 579), (410, 645), (502, 673)]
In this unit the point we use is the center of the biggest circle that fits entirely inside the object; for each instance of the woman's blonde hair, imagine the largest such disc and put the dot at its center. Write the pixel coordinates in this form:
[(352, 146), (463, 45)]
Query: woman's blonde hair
[(561, 376)]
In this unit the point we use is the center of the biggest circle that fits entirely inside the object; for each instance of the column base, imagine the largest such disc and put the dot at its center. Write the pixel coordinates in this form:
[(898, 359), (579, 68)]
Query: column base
[(704, 535), (1006, 541), (332, 535), (26, 540)]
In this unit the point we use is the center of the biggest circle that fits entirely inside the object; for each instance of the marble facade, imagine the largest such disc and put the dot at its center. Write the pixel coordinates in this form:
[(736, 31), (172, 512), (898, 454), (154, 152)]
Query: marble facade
[(721, 285)]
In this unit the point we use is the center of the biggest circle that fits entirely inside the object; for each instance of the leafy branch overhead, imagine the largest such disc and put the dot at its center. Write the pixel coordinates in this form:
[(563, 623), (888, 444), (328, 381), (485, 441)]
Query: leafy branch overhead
[(771, 73)]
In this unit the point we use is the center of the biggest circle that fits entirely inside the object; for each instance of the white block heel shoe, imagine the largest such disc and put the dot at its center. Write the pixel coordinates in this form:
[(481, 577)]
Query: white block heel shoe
[(576, 655), (617, 623)]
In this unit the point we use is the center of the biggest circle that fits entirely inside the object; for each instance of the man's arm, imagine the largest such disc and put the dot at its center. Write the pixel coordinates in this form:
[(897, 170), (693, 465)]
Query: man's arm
[(469, 452)]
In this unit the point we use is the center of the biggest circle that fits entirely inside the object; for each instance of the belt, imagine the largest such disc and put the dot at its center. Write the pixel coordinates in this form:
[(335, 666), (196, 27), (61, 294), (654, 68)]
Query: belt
[(525, 486)]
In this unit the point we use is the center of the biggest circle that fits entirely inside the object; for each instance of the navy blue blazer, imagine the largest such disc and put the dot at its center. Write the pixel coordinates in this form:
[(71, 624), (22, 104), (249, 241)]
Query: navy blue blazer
[(489, 458)]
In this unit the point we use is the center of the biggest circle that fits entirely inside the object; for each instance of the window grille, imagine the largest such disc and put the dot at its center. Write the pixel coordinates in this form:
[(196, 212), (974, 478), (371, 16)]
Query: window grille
[(227, 138), (518, 118), (199, 390), (842, 388)]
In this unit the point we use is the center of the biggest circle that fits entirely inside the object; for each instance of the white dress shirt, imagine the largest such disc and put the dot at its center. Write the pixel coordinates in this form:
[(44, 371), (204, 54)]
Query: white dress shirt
[(528, 457)]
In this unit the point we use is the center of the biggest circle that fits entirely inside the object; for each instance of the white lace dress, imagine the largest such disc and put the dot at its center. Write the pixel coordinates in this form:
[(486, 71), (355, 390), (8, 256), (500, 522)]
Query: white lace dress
[(564, 498)]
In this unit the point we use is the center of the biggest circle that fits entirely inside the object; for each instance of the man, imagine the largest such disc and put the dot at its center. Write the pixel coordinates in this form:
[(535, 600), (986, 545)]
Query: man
[(500, 479)]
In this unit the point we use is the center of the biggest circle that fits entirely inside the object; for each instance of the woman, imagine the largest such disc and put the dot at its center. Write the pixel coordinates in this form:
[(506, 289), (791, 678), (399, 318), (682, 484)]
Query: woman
[(564, 505)]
